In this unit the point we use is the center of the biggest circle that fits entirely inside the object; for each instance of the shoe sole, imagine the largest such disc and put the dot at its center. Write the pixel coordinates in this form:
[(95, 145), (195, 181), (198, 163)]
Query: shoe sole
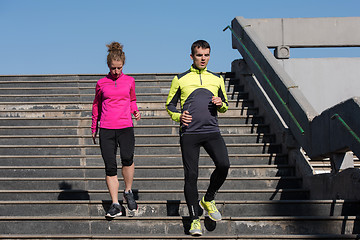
[(196, 234), (215, 220), (113, 216)]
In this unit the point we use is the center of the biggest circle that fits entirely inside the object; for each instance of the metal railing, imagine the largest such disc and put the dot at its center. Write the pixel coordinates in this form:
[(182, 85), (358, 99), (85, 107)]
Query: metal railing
[(347, 127)]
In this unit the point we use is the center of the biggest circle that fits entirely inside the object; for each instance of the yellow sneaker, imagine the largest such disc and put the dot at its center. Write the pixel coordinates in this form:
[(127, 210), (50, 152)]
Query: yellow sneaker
[(210, 207), (195, 229)]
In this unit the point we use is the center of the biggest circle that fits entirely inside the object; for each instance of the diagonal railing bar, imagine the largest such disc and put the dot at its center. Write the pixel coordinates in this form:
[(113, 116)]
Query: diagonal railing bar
[(337, 116), (267, 79)]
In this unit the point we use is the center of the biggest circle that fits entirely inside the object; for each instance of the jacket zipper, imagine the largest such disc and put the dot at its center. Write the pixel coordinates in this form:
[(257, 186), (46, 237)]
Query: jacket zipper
[(200, 79)]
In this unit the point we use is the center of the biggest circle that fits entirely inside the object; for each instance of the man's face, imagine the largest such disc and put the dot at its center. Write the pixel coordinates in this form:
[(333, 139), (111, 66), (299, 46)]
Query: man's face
[(201, 57)]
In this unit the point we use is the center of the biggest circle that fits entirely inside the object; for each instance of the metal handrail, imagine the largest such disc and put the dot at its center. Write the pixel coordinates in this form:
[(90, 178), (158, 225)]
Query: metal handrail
[(267, 80), (337, 116)]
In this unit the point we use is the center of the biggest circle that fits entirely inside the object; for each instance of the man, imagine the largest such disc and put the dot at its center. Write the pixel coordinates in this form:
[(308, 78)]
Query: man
[(202, 94)]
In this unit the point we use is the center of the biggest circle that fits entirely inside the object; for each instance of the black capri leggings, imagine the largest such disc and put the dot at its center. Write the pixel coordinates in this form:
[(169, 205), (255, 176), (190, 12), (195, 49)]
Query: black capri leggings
[(110, 139)]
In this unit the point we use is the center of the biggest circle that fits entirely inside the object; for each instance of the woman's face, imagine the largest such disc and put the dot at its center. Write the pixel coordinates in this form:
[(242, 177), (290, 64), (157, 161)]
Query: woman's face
[(116, 68)]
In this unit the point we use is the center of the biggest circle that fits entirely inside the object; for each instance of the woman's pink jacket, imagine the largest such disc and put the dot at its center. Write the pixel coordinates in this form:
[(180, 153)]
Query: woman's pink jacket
[(114, 102)]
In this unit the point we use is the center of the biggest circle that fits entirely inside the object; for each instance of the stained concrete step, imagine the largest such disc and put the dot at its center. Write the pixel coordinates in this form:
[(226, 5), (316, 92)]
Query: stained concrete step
[(145, 120), (144, 171), (86, 121), (282, 225), (73, 97), (89, 97), (179, 208), (78, 112), (73, 193), (139, 149), (11, 106), (80, 79), (74, 90), (139, 159), (139, 138), (139, 129), (145, 183), (177, 237)]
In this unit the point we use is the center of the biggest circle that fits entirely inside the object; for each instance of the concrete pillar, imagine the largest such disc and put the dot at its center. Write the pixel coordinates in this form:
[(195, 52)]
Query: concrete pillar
[(341, 161)]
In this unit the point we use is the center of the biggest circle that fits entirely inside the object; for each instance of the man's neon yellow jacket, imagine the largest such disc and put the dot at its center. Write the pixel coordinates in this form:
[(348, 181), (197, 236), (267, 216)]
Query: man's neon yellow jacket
[(195, 89)]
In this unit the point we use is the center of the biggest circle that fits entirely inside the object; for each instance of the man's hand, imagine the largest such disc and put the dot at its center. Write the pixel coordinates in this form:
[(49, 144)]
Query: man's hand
[(217, 101), (137, 115), (185, 118)]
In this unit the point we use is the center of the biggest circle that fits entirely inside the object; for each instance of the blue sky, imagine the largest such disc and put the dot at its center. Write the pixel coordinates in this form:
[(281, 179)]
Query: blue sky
[(69, 36)]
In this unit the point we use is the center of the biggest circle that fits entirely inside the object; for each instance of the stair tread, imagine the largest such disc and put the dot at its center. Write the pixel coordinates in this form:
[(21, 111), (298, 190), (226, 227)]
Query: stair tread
[(242, 218), (176, 236), (218, 202), (233, 166)]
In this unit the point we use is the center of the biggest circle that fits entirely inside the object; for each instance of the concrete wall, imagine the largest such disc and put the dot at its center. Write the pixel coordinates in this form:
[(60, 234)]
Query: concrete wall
[(325, 82), (307, 32)]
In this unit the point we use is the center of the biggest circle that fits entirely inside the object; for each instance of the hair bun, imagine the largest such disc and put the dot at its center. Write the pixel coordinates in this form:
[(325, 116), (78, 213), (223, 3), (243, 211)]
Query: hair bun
[(114, 46)]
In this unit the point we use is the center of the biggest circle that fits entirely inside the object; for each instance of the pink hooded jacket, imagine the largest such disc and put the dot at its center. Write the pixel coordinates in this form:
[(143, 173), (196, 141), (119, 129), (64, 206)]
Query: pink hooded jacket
[(114, 102)]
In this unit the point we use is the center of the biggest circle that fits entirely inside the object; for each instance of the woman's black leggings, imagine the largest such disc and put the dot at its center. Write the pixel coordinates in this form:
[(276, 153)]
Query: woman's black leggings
[(214, 145), (110, 140)]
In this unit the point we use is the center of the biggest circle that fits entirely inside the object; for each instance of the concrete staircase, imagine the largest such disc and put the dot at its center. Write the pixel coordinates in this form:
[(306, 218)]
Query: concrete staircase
[(52, 178)]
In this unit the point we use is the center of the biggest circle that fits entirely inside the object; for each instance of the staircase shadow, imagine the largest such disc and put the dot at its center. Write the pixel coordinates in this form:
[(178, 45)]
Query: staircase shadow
[(349, 208), (173, 207), (72, 194)]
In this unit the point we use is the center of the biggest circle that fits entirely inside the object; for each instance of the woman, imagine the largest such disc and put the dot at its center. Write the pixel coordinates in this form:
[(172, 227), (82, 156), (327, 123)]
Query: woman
[(115, 101)]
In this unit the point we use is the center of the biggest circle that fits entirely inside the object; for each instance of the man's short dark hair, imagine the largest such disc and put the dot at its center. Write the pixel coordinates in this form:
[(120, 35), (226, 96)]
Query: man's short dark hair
[(199, 44)]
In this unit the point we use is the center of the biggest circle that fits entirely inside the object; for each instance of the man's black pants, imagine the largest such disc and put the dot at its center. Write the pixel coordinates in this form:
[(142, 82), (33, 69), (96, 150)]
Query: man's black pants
[(214, 145)]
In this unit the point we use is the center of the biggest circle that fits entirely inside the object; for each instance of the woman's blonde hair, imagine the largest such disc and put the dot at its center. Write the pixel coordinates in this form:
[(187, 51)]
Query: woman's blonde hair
[(116, 53)]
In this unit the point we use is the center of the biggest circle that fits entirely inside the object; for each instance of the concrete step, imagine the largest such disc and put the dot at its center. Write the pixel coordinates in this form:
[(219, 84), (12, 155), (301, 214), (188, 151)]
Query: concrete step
[(139, 159), (148, 194), (139, 129), (283, 225), (139, 149), (86, 121), (80, 181), (75, 89), (79, 97), (139, 138), (182, 236), (78, 112), (144, 171), (79, 80), (179, 208), (88, 104)]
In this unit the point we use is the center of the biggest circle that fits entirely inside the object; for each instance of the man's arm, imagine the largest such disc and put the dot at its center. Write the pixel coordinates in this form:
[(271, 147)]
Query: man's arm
[(222, 94), (172, 100)]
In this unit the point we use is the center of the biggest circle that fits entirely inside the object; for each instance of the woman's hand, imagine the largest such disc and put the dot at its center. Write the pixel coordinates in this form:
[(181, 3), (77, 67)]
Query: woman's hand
[(137, 115), (94, 137)]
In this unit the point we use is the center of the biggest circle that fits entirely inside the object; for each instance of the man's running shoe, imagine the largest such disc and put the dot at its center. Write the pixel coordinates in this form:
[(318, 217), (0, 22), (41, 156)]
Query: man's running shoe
[(210, 207), (195, 229), (131, 203), (114, 211)]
